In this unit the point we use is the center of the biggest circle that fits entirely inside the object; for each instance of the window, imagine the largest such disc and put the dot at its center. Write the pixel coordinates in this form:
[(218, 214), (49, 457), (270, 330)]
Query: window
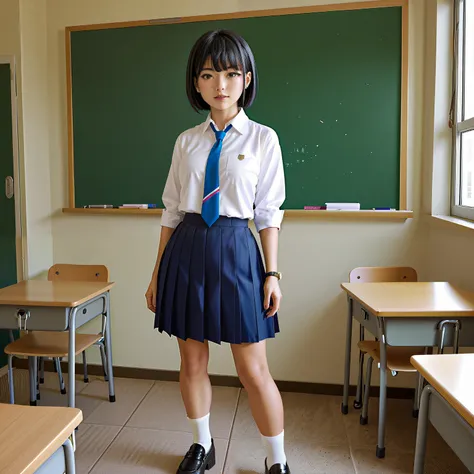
[(462, 118)]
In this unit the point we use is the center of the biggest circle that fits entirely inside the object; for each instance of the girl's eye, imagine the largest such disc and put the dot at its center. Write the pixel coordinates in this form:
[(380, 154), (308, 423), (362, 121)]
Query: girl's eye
[(206, 76), (234, 74)]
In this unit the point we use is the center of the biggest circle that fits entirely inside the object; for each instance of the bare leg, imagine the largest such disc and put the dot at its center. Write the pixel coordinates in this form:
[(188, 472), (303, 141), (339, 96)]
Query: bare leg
[(196, 391), (264, 397), (194, 380)]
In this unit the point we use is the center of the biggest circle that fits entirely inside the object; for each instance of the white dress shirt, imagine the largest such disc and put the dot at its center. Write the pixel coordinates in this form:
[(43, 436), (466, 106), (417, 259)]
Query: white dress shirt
[(252, 183)]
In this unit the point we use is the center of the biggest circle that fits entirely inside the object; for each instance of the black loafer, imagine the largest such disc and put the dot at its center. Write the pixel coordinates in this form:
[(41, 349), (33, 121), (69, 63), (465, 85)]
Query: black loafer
[(197, 461), (277, 469)]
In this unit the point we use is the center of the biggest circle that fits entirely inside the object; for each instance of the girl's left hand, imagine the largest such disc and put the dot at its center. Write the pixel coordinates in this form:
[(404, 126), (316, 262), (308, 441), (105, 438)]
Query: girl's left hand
[(272, 296)]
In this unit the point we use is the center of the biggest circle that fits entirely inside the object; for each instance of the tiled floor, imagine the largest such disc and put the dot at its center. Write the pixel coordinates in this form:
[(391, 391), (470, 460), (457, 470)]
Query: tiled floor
[(146, 431)]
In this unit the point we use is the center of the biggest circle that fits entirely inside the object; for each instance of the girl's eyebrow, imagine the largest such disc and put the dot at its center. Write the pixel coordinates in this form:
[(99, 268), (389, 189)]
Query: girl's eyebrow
[(211, 69)]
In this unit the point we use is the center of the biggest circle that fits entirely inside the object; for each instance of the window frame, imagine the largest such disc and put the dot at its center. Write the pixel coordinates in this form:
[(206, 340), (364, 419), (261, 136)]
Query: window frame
[(458, 122)]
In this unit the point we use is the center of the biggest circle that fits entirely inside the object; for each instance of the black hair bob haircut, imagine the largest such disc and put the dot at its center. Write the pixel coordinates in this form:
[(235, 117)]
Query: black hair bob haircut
[(226, 49)]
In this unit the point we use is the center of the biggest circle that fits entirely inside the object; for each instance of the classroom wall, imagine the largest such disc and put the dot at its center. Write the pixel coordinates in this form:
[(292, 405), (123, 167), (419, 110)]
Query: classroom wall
[(23, 34), (315, 256), (35, 106), (10, 45), (449, 247), (9, 27)]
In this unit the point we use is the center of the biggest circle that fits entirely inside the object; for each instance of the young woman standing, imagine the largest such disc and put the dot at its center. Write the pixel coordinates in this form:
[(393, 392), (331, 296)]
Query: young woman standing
[(209, 281)]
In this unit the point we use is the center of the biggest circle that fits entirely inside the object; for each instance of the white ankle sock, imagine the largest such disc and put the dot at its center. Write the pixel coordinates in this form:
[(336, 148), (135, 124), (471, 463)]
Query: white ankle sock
[(274, 447), (201, 431)]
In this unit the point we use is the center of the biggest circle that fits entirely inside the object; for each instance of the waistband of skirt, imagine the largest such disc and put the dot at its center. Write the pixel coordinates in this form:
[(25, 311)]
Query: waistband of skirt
[(223, 221)]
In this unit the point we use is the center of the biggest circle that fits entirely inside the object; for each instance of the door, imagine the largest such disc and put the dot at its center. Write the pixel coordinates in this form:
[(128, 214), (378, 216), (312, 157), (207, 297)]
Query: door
[(8, 232)]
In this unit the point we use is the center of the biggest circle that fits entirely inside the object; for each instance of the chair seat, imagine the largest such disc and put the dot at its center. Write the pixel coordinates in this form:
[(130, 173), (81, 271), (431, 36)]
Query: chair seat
[(398, 358), (49, 344)]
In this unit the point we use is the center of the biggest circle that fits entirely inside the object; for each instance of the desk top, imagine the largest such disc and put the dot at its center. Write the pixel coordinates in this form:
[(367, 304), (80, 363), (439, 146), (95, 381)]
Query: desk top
[(452, 376), (30, 435), (67, 294), (412, 299)]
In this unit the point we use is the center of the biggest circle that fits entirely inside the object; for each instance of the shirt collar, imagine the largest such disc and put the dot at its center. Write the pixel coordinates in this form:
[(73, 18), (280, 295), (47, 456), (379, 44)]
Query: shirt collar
[(240, 122)]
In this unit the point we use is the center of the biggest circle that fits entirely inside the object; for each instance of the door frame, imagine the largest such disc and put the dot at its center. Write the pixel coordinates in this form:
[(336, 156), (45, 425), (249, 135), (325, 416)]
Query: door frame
[(19, 233)]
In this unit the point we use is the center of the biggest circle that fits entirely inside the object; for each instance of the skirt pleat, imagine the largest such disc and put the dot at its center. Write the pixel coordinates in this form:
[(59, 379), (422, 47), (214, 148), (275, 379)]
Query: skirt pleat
[(182, 283), (210, 284), (169, 307), (230, 309), (162, 279), (195, 307)]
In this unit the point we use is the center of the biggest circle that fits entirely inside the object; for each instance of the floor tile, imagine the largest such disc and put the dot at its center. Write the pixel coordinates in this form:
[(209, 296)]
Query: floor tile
[(92, 441), (128, 392), (151, 451), (50, 388), (314, 417), (400, 462), (163, 409), (400, 430), (247, 456)]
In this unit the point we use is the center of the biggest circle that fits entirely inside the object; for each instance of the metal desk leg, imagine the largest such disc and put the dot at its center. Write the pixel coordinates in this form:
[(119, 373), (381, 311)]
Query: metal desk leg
[(360, 379), (71, 396), (31, 373), (41, 370), (365, 406), (69, 457), (108, 350), (418, 391), (11, 382), (347, 367), (380, 452), (420, 447)]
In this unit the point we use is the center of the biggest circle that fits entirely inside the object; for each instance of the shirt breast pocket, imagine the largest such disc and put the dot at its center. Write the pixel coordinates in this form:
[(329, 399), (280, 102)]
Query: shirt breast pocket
[(241, 165)]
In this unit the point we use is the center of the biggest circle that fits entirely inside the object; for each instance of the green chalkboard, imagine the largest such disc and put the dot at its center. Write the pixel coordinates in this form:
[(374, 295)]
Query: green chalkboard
[(330, 85)]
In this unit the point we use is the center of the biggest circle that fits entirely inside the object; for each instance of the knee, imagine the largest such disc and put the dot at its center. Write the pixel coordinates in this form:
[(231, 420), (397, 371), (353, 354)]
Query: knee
[(194, 366), (254, 376)]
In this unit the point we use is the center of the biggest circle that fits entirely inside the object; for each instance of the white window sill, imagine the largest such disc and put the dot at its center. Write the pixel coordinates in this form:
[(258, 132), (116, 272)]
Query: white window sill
[(457, 221)]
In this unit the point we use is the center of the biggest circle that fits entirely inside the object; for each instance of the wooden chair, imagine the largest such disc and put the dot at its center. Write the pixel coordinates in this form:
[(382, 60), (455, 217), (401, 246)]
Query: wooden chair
[(38, 345), (398, 358)]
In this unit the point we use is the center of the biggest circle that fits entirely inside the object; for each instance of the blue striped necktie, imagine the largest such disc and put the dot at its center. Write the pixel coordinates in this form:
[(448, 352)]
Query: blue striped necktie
[(210, 201)]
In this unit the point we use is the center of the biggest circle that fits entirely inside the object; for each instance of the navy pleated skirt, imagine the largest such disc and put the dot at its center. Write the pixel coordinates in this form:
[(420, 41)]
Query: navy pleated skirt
[(210, 284)]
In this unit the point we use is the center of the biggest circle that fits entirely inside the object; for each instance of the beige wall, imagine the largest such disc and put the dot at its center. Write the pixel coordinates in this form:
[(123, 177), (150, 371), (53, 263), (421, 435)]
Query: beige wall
[(23, 34), (315, 256), (35, 112), (10, 46), (449, 247), (10, 27)]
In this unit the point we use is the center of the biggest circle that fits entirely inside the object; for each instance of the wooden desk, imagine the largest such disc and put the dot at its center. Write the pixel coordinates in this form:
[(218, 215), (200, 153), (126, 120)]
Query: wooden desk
[(31, 437), (59, 306), (415, 314), (448, 403), (412, 299)]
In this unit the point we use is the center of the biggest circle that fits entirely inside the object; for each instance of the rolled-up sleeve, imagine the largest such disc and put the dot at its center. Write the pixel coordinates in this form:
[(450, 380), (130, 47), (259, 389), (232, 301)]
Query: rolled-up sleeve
[(172, 216), (270, 193)]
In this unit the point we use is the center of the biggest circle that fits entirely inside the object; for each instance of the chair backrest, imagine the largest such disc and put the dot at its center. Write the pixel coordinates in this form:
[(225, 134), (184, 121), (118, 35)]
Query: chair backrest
[(382, 274), (70, 272)]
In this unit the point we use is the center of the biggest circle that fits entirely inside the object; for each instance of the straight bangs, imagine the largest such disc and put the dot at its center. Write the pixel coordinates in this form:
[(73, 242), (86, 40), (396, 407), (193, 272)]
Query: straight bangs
[(224, 54), (226, 50)]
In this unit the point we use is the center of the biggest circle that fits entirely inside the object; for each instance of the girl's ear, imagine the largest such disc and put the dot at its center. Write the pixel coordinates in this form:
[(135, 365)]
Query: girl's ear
[(248, 79), (196, 86)]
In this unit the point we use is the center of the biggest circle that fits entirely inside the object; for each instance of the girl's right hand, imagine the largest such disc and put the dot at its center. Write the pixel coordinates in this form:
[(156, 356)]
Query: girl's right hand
[(150, 295)]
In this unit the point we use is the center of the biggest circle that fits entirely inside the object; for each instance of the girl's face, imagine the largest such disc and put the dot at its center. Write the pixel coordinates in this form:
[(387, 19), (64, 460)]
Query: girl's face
[(221, 90)]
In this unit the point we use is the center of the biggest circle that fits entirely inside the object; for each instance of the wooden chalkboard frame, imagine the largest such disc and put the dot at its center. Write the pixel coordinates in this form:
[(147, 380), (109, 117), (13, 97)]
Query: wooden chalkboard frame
[(402, 213)]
